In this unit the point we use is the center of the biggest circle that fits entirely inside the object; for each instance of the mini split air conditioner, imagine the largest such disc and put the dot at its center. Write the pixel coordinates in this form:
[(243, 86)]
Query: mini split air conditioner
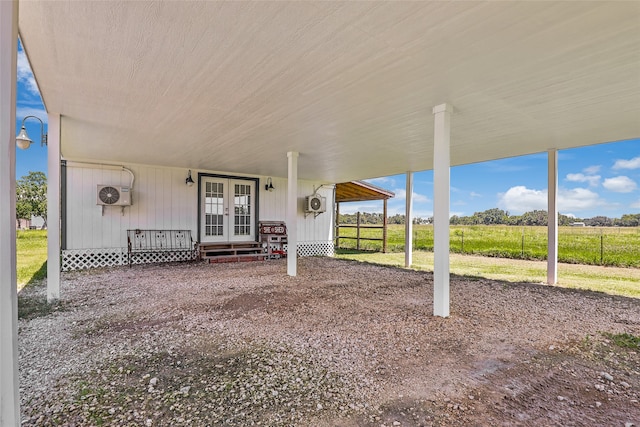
[(315, 204), (114, 195)]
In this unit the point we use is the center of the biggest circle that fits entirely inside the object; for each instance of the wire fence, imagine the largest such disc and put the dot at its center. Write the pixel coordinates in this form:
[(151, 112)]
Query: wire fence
[(614, 246)]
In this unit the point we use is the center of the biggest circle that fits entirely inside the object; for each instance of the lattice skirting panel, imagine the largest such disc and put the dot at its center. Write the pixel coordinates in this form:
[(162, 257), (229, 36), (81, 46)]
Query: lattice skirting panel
[(163, 256), (314, 249), (80, 259)]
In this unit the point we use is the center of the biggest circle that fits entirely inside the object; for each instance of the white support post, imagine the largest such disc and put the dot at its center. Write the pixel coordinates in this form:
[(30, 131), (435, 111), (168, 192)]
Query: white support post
[(552, 220), (441, 189), (9, 379), (292, 214), (53, 208), (408, 224)]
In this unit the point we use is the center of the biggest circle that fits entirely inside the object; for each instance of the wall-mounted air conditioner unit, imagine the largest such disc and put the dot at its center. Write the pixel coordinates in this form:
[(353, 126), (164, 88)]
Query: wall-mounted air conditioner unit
[(114, 195), (315, 204)]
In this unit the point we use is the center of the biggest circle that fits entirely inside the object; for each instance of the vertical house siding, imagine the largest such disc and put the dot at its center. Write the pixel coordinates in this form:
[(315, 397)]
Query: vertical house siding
[(161, 200)]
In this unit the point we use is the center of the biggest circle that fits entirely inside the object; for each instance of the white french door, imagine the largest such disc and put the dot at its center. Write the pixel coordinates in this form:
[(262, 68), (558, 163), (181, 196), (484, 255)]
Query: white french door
[(228, 210)]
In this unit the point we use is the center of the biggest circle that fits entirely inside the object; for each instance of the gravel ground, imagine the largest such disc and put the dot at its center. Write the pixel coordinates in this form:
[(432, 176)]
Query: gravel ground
[(342, 344)]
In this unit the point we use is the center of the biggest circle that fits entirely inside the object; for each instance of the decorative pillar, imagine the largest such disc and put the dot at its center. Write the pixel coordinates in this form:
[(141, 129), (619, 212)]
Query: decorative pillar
[(441, 190), (408, 224), (53, 208), (552, 220), (292, 214), (9, 380)]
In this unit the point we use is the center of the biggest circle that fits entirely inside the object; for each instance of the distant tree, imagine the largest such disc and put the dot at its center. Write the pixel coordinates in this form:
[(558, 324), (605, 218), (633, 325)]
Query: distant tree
[(564, 220), (23, 209), (628, 220), (493, 216), (31, 196), (537, 217), (599, 221), (420, 220), (396, 219)]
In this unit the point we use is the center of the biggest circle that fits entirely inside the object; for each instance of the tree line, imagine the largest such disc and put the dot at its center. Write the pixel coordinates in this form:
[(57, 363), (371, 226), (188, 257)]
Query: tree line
[(31, 197), (497, 216)]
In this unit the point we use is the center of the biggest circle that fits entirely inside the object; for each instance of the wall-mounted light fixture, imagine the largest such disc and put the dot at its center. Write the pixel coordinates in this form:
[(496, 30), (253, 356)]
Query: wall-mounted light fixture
[(269, 185), (189, 180), (23, 141)]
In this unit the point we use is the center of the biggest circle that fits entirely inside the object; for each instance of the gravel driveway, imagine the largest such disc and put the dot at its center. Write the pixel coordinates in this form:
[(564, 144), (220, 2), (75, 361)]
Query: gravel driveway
[(341, 344)]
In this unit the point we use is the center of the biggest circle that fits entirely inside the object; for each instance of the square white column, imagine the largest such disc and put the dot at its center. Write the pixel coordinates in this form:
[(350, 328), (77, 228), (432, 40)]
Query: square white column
[(441, 189), (9, 379), (552, 220), (292, 214), (408, 224), (53, 208)]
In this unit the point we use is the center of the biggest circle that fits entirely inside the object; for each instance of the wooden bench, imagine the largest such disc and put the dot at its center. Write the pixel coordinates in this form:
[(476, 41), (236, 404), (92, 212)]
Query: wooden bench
[(160, 245)]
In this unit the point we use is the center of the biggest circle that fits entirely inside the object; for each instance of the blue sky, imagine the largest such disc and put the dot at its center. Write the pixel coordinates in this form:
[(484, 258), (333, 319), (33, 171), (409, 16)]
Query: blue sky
[(601, 179), (596, 180)]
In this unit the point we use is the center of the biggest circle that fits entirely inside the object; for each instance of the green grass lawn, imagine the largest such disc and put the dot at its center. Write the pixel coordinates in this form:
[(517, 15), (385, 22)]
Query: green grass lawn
[(612, 246), (610, 280), (31, 248)]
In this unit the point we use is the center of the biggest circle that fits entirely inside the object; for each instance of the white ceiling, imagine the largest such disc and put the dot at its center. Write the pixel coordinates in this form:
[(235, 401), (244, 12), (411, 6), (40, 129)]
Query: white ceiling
[(233, 86)]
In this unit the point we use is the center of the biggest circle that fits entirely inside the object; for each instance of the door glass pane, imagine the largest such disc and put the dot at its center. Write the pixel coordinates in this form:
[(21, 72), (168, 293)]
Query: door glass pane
[(242, 210), (214, 208)]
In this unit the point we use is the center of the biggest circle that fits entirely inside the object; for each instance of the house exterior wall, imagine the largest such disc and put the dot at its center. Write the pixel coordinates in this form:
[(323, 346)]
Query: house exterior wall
[(161, 200)]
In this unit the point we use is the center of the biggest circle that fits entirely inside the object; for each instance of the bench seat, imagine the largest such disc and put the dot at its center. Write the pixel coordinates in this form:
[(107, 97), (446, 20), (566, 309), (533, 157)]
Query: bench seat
[(177, 245)]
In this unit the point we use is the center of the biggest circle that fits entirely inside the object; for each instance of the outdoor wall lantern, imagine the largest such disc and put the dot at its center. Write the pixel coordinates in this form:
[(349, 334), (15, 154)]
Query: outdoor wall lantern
[(189, 180), (23, 141), (269, 185)]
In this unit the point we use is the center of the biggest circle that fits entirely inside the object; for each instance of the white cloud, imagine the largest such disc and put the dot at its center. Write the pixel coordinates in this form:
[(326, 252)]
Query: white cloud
[(627, 164), (620, 184), (593, 180), (521, 199), (417, 198), (577, 199), (592, 170), (635, 205), (25, 75), (474, 194)]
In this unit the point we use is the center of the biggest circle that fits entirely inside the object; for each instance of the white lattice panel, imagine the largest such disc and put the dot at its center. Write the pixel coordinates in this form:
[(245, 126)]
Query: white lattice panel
[(162, 256), (92, 258), (81, 259), (314, 249)]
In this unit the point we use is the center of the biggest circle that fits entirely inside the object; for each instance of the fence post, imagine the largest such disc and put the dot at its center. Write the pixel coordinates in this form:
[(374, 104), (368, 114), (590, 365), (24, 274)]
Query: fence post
[(358, 231), (384, 226), (601, 249), (337, 232)]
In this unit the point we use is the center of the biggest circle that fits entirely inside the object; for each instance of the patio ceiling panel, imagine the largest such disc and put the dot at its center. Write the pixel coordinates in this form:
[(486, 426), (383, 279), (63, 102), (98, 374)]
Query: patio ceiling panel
[(233, 86)]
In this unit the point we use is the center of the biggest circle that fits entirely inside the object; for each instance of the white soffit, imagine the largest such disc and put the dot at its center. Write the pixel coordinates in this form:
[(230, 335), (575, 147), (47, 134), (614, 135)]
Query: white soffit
[(234, 86)]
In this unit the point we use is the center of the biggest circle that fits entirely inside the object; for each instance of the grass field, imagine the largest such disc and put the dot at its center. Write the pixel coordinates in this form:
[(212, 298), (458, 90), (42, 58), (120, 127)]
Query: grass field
[(31, 248), (611, 246), (610, 280)]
